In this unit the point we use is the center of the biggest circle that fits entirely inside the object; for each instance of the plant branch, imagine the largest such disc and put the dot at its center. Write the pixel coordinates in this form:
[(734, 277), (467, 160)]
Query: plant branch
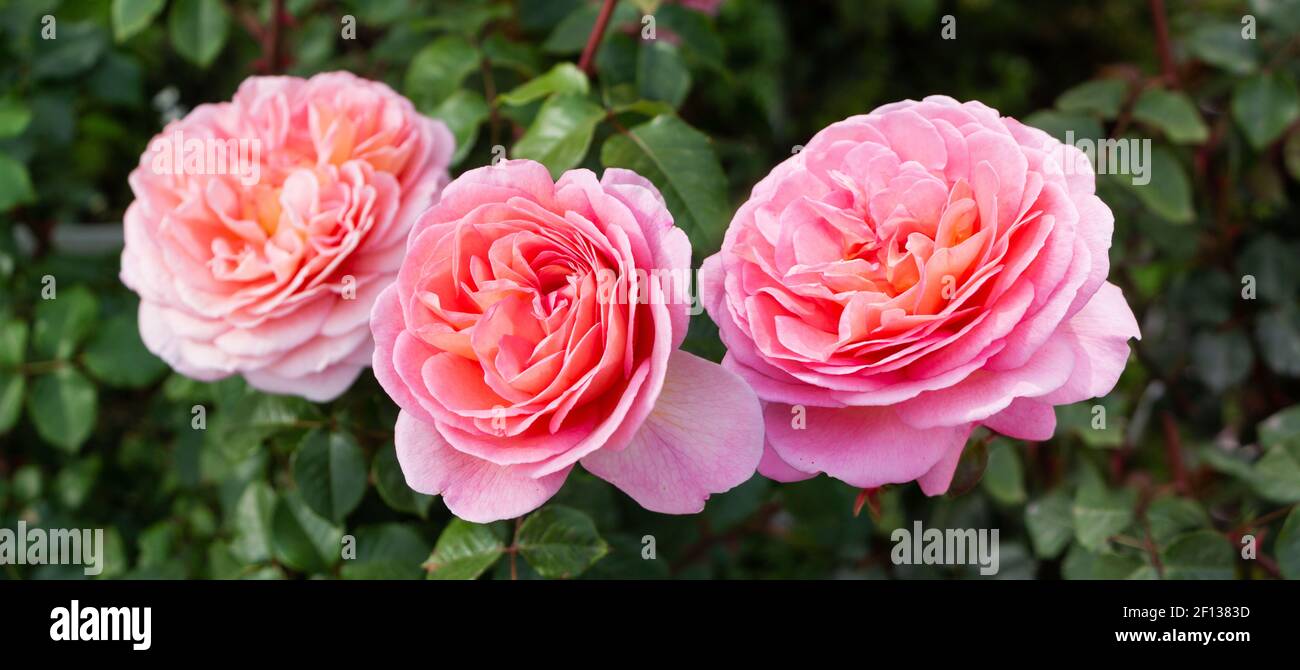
[(587, 62), (1162, 42), (275, 38), (1174, 452)]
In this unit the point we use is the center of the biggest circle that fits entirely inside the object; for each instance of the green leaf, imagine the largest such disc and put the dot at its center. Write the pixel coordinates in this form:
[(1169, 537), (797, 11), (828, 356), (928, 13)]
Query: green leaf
[(198, 29), (570, 35), (76, 480), (1221, 360), (1282, 427), (463, 112), (661, 74), (1168, 516), (62, 405), (1278, 334), (1169, 193), (1057, 124), (1099, 513), (698, 37), (242, 425), (561, 134), (1270, 259), (28, 482), (1286, 549), (502, 52), (387, 551), (1291, 154), (114, 561), (132, 16), (1200, 554), (15, 184), (63, 322), (1078, 418), (541, 15), (117, 357), (251, 523), (438, 70), (1049, 524), (1231, 463), (1264, 105), (560, 542), (14, 117), (616, 62), (1099, 96), (75, 49), (330, 472), (1173, 113), (1004, 478), (680, 161), (392, 486), (303, 540), (1276, 475), (1221, 45), (464, 551), (563, 78), (13, 343), (12, 386), (380, 12), (1083, 564)]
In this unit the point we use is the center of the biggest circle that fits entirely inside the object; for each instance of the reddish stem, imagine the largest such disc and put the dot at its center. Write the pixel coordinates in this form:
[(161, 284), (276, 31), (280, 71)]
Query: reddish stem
[(274, 43), (586, 63), (1162, 42), (1174, 452)]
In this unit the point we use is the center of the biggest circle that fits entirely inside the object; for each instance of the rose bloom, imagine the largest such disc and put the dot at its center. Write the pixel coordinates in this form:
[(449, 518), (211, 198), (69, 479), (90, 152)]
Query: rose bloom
[(911, 274), (515, 348), (264, 228)]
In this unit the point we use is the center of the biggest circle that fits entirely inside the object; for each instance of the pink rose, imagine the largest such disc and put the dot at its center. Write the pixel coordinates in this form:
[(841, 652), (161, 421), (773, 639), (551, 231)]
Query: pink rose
[(515, 348), (263, 228), (913, 273)]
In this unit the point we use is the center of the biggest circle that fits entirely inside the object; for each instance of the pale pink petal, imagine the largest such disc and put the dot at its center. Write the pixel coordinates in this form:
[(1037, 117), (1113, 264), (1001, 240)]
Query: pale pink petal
[(1098, 338), (1024, 419), (863, 446), (772, 467), (985, 393), (704, 436), (473, 489), (937, 480), (322, 386)]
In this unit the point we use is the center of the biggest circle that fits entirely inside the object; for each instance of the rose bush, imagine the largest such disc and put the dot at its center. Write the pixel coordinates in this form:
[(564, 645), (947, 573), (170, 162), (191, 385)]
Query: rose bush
[(520, 339), (269, 268), (912, 273), (1199, 437)]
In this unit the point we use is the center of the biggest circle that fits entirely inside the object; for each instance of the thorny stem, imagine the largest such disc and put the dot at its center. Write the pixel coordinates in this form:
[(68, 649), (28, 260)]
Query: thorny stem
[(586, 63), (1174, 452), (1262, 520), (270, 36), (514, 550), (1162, 42)]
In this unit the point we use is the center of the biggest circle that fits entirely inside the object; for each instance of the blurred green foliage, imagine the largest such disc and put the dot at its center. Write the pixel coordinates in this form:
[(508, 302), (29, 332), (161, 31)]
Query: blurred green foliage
[(1191, 461)]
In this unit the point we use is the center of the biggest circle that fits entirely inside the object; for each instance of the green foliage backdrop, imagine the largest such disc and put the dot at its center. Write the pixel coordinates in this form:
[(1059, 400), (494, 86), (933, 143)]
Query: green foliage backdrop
[(1191, 461)]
